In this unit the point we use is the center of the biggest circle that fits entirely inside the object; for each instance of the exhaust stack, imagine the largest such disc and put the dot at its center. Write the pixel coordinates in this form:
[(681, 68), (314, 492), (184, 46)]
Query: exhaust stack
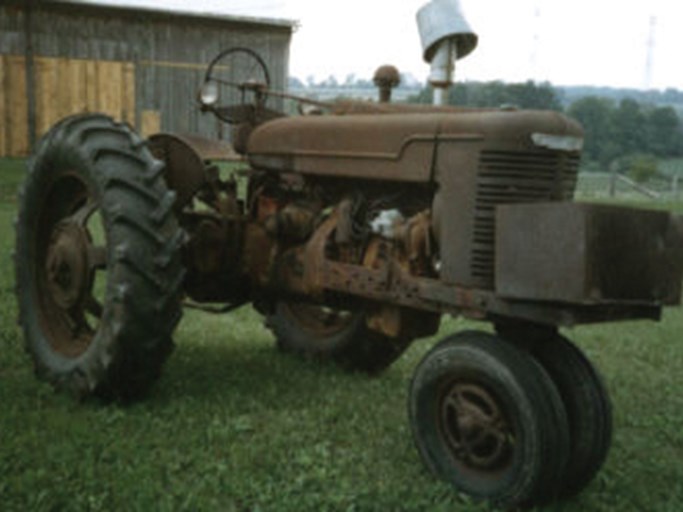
[(446, 36)]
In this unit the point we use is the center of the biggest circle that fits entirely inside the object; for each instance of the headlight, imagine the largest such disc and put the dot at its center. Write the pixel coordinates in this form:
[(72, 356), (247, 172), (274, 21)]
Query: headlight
[(208, 94), (557, 142)]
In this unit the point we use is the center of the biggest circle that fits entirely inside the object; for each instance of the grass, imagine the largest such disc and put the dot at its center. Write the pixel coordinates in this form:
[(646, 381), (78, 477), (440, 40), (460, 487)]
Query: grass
[(672, 166), (235, 426)]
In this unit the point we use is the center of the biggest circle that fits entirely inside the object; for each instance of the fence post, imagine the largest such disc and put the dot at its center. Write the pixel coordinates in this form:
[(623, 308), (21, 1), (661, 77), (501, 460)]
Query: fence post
[(613, 179)]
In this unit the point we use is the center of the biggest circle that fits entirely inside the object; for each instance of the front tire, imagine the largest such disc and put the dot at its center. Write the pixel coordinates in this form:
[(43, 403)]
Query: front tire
[(487, 418), (588, 407), (584, 395), (98, 269)]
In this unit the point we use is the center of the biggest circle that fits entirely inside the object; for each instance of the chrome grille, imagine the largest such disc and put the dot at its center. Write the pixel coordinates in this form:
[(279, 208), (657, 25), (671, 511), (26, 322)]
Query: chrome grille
[(507, 177)]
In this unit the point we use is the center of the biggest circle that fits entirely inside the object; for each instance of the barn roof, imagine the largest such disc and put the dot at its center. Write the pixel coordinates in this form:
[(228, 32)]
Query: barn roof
[(186, 9)]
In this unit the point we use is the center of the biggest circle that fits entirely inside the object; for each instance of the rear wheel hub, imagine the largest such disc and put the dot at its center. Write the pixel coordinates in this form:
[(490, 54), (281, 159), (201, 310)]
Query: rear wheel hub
[(66, 265)]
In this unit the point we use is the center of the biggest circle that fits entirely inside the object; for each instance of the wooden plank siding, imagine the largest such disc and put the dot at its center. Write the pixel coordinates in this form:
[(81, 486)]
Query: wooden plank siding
[(62, 87), (126, 63), (16, 106), (150, 122)]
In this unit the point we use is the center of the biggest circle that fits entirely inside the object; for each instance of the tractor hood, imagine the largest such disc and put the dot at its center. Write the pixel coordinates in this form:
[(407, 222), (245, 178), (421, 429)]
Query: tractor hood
[(400, 146)]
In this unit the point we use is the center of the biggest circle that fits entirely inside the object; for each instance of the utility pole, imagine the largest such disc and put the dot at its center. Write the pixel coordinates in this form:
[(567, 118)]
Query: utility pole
[(533, 57), (649, 58)]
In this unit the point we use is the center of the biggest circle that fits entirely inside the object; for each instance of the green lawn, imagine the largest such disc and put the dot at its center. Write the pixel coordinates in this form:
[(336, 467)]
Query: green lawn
[(233, 425)]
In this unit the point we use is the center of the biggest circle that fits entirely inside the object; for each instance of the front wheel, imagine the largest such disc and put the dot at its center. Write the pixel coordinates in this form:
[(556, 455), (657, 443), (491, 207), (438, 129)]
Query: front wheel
[(588, 407), (98, 268), (487, 418), (584, 395)]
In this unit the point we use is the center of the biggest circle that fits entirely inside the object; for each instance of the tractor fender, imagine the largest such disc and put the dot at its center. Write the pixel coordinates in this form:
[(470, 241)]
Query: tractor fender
[(185, 157)]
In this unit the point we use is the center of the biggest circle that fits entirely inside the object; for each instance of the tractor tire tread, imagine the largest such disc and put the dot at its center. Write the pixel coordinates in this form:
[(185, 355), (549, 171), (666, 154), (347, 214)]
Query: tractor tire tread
[(144, 267)]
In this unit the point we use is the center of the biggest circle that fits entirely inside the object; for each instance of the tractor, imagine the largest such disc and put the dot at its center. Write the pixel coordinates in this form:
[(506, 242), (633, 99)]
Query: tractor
[(352, 228)]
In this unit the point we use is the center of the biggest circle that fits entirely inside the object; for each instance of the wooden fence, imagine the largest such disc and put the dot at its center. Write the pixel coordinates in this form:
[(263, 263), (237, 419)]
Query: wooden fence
[(600, 185)]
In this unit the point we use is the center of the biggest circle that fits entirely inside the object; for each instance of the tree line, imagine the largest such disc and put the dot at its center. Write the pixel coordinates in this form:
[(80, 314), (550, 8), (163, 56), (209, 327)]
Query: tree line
[(527, 95), (615, 130), (627, 128)]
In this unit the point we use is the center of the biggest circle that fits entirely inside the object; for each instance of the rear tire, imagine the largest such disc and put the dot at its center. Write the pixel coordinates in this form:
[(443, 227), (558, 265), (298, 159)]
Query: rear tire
[(325, 334), (108, 339), (487, 418)]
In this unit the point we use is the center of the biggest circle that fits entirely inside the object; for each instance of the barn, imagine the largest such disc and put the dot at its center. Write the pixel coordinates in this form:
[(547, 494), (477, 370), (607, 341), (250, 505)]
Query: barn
[(140, 65)]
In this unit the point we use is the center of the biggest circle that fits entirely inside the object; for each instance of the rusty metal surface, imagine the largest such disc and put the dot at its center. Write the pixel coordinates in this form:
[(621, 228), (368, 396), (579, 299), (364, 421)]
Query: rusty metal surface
[(588, 254), (432, 295), (455, 152), (454, 208), (206, 149), (386, 78), (397, 147), (258, 255), (388, 147), (474, 427), (213, 256), (474, 178), (69, 256), (307, 271), (184, 158), (512, 177)]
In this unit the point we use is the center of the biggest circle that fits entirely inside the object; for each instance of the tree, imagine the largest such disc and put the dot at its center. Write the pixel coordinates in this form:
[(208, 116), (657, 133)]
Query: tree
[(663, 132), (595, 114), (628, 122), (642, 168), (528, 95), (330, 82), (612, 130)]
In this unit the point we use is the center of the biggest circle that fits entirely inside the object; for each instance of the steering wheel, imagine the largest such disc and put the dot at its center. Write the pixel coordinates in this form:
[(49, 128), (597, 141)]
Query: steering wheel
[(242, 70)]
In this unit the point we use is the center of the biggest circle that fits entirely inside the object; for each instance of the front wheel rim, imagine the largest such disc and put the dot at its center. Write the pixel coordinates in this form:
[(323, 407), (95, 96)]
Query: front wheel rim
[(474, 428)]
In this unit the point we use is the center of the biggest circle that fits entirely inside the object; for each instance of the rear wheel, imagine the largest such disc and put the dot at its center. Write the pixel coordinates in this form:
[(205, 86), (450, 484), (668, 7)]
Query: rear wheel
[(97, 260), (328, 334), (487, 419)]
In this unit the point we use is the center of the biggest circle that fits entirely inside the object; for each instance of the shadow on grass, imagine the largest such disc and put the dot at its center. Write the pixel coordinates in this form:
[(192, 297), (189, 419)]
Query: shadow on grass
[(245, 377)]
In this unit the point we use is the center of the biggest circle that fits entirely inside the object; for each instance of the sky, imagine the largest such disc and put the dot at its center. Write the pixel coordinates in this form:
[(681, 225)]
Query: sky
[(565, 42)]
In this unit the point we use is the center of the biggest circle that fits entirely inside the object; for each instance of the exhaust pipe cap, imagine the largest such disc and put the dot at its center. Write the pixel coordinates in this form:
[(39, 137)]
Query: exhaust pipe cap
[(439, 20)]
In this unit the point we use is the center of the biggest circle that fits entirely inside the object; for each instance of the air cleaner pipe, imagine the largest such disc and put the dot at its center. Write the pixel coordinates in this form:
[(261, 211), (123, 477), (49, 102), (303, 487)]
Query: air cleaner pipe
[(442, 70), (446, 36)]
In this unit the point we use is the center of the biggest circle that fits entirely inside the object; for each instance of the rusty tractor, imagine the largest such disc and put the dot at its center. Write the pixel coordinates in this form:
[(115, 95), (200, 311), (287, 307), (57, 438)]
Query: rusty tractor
[(360, 225)]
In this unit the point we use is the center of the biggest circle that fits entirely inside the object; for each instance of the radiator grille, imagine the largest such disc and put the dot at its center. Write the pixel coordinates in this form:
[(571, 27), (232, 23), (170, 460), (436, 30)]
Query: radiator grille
[(507, 177)]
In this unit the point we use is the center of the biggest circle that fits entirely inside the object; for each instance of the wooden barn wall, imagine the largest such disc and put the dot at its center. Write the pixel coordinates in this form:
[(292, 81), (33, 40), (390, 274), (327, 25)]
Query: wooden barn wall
[(138, 67)]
